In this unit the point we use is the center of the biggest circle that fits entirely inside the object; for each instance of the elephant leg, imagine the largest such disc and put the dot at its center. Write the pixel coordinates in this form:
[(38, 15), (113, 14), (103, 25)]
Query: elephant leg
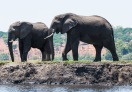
[(25, 52), (74, 47), (110, 45), (27, 47), (47, 52), (66, 49), (98, 49), (20, 49), (43, 56), (48, 57)]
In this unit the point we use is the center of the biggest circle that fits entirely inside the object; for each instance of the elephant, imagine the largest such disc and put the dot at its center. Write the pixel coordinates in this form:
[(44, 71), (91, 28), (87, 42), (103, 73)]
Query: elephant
[(35, 35), (94, 30)]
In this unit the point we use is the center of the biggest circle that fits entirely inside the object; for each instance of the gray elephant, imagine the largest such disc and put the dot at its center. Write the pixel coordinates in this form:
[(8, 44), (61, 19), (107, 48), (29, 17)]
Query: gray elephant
[(89, 29), (31, 35)]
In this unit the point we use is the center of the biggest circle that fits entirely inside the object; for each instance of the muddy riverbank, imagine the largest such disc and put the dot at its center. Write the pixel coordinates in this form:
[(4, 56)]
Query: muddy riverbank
[(65, 73)]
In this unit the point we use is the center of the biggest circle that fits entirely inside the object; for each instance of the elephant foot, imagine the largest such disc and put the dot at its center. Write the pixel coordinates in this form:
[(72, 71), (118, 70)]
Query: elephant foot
[(115, 60), (65, 59), (23, 61), (97, 60)]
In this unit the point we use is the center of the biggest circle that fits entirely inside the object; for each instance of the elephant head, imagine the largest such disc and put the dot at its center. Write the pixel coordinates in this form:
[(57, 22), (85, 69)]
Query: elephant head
[(63, 23), (17, 30)]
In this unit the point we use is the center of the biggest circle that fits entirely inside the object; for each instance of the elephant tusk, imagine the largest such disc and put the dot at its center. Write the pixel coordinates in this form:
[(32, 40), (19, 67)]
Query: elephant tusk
[(49, 36), (12, 29), (11, 41)]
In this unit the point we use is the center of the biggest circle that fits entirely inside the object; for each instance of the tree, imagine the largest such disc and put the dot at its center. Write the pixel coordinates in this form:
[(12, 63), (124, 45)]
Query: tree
[(121, 48), (130, 46)]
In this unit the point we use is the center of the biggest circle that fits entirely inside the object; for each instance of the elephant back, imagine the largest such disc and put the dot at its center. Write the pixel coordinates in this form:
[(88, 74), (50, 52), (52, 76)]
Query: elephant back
[(39, 26)]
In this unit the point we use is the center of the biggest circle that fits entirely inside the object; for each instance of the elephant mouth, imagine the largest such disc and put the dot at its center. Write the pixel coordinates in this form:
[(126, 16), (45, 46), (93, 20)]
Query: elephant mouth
[(12, 40)]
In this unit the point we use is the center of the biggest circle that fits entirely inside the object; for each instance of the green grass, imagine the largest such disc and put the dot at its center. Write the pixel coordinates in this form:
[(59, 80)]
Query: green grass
[(81, 61), (66, 62), (4, 62)]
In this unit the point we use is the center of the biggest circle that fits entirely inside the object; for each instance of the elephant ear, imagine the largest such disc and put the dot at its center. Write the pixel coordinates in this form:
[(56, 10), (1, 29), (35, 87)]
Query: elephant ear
[(25, 29), (68, 24)]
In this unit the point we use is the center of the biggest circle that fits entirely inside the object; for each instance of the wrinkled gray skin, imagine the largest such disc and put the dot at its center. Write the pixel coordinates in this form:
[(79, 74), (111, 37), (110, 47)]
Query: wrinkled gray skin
[(89, 29), (30, 35)]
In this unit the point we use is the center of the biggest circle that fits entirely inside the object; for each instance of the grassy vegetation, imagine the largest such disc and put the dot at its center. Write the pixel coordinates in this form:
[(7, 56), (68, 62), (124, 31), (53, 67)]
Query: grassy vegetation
[(65, 62), (4, 62)]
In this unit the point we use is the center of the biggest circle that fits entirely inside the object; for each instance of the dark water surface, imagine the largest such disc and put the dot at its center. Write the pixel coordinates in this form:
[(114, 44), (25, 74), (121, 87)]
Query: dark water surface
[(45, 88)]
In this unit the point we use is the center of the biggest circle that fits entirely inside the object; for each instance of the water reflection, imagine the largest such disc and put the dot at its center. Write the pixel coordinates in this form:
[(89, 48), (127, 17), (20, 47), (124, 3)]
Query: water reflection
[(44, 88)]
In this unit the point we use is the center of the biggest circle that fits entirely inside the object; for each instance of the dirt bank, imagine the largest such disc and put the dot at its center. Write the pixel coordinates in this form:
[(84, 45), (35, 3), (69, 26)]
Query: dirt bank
[(63, 73)]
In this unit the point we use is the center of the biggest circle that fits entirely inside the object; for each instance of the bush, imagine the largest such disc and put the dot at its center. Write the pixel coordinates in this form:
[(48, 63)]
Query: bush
[(127, 57), (108, 56), (4, 56)]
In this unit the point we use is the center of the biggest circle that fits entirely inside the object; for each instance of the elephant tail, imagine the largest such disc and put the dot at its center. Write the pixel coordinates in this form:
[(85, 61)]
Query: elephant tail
[(112, 33), (109, 26)]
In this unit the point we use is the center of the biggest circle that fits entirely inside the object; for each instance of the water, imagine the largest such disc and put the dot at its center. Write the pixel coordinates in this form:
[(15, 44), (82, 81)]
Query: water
[(44, 88)]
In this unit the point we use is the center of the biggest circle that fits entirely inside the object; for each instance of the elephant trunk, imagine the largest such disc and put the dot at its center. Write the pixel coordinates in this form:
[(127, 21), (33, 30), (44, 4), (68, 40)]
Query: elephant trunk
[(11, 50), (51, 47), (50, 38), (11, 38)]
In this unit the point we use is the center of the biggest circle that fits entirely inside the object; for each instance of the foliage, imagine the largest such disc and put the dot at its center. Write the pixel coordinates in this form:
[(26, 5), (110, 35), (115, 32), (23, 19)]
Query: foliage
[(108, 56), (4, 56), (130, 47), (127, 57), (4, 36), (14, 46), (59, 39), (124, 34), (4, 62)]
